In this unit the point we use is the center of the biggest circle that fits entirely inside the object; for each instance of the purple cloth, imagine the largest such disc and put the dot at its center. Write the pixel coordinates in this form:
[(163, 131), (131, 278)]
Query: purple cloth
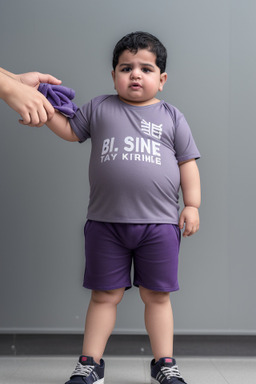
[(60, 97)]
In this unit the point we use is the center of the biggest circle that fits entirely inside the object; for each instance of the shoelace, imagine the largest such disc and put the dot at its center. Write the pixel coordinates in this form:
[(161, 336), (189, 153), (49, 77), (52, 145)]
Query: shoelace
[(170, 372), (82, 370)]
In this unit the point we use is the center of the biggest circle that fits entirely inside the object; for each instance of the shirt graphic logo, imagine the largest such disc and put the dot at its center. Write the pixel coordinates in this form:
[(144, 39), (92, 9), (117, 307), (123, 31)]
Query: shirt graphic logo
[(133, 148), (151, 129)]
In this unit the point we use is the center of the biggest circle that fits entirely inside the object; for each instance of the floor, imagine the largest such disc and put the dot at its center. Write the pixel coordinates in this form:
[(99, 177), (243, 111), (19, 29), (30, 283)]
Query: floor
[(127, 370)]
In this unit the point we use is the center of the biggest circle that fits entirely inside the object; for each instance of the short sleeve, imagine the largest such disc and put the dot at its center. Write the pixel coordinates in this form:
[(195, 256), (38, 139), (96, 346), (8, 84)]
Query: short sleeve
[(184, 142), (80, 123)]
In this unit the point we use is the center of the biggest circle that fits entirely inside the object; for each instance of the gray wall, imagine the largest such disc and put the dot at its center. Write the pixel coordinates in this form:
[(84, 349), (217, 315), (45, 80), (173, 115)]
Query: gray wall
[(43, 180)]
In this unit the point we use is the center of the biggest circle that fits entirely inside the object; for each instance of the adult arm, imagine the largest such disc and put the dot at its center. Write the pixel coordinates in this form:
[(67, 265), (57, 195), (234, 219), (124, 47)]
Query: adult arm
[(7, 73), (32, 78), (191, 190)]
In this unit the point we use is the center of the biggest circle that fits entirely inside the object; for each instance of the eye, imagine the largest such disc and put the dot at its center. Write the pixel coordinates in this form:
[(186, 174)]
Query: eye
[(146, 70), (126, 69)]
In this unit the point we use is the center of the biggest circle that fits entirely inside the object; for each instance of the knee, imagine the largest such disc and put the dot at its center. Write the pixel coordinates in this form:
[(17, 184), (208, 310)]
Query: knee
[(154, 297), (108, 297)]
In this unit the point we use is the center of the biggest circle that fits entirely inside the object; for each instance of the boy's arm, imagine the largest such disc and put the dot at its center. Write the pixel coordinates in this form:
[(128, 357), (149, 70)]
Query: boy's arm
[(191, 190), (20, 93), (59, 124)]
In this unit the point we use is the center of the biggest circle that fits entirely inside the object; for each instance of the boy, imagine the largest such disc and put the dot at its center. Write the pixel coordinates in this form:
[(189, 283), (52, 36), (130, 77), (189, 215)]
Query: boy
[(142, 151)]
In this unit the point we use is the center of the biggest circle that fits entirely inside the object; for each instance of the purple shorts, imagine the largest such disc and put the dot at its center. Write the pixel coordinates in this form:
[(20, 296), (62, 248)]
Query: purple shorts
[(110, 249)]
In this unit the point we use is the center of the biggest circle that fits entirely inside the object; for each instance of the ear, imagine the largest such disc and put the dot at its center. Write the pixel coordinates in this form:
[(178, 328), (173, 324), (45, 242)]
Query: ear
[(163, 79), (114, 78)]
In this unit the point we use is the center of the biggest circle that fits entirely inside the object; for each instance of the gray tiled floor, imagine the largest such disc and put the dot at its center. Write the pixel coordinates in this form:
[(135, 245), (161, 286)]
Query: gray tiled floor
[(131, 370)]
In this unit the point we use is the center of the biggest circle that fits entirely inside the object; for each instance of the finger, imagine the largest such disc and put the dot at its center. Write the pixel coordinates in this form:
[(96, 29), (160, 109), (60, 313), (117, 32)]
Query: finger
[(42, 115), (48, 109), (31, 125), (181, 222), (25, 118), (188, 230), (193, 230), (46, 78), (35, 120), (185, 233)]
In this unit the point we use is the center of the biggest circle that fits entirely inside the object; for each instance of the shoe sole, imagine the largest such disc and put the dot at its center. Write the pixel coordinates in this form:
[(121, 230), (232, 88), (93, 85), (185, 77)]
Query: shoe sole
[(100, 381), (154, 381)]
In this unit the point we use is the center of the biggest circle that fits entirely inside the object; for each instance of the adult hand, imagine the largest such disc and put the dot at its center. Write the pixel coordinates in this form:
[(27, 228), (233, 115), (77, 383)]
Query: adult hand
[(21, 95), (33, 79)]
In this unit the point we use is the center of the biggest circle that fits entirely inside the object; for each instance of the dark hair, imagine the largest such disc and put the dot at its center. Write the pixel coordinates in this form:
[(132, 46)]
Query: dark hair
[(141, 40)]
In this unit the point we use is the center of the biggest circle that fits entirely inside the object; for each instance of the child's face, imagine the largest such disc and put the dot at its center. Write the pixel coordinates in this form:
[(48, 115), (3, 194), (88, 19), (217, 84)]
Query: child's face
[(137, 78)]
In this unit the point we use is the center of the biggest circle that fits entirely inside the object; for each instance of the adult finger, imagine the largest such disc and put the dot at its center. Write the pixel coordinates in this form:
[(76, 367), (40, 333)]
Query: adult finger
[(43, 115), (34, 118), (25, 118), (46, 78), (48, 109)]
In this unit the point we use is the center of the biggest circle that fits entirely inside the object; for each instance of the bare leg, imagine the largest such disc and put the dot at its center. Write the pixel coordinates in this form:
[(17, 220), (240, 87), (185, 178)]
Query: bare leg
[(100, 321), (158, 322)]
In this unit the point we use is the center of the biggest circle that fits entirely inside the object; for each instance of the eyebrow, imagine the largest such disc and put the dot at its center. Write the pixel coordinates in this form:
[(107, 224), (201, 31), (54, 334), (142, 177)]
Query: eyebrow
[(142, 64)]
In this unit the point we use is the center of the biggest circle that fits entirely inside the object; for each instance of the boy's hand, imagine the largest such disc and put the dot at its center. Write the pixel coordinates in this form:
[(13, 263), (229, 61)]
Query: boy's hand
[(190, 217)]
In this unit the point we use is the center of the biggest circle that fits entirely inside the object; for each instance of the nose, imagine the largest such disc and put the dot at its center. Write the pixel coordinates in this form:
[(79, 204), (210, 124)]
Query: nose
[(135, 74)]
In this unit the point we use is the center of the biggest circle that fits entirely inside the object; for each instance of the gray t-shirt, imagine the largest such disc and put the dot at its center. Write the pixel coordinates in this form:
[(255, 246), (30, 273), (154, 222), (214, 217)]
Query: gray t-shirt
[(134, 173)]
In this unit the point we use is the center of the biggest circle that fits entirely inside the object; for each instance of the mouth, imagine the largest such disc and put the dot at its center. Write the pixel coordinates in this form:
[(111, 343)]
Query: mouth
[(135, 86)]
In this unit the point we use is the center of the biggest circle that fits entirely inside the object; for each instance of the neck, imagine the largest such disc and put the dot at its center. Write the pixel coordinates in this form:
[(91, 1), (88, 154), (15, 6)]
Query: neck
[(140, 103)]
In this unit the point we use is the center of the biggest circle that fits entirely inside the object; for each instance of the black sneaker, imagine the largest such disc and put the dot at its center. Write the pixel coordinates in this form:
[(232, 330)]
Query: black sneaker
[(87, 372), (165, 371)]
